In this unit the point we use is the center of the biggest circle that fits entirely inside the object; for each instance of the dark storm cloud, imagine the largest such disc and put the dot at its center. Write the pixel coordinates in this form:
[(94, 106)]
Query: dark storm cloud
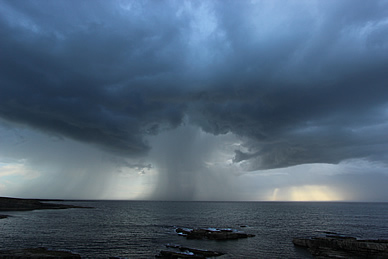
[(302, 82), (86, 79)]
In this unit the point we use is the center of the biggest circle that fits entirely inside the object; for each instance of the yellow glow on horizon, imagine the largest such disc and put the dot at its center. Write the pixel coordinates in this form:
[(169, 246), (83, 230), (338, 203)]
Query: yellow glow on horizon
[(306, 193)]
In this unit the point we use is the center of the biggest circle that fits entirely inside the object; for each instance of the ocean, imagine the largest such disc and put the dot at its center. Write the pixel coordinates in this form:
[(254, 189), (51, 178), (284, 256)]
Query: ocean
[(140, 229)]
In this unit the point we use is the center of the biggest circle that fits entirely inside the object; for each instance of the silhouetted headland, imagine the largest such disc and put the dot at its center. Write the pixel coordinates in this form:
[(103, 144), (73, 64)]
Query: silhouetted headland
[(17, 204)]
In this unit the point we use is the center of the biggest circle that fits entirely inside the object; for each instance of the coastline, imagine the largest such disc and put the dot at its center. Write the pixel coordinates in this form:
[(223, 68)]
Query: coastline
[(19, 204)]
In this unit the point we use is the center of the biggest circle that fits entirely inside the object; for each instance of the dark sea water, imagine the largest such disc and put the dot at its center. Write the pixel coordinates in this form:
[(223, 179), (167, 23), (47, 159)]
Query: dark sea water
[(140, 229)]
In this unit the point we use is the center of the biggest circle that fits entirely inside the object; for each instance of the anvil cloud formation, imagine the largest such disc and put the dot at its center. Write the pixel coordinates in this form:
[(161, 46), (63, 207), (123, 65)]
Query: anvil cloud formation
[(297, 82)]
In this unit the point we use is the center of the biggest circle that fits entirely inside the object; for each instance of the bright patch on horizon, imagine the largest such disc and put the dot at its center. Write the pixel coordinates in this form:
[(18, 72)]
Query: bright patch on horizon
[(306, 193)]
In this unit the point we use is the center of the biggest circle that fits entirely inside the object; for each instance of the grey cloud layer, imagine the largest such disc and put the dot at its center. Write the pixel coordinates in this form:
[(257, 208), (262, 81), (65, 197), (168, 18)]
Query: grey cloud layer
[(303, 82)]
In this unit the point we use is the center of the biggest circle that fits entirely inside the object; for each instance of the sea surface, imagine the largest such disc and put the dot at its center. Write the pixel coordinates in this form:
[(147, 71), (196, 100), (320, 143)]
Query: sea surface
[(140, 229)]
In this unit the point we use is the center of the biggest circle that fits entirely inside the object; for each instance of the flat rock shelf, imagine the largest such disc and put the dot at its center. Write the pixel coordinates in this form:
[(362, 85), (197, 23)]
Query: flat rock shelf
[(186, 252), (339, 246), (218, 234), (212, 233)]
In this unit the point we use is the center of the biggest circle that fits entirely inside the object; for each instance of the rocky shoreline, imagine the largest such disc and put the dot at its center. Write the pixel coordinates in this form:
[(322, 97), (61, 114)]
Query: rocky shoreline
[(339, 246)]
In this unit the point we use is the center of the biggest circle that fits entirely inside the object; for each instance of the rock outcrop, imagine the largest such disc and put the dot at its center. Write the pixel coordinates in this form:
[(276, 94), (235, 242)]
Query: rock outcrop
[(212, 233), (186, 252), (338, 246), (39, 252), (177, 251)]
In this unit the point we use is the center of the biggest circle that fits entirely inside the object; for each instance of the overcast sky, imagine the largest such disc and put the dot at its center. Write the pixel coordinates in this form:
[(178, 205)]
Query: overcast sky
[(194, 100)]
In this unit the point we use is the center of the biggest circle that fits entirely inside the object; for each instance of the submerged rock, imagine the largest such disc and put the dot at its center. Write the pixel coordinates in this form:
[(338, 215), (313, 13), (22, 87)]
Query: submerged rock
[(39, 252), (187, 252), (172, 254), (212, 233), (338, 246)]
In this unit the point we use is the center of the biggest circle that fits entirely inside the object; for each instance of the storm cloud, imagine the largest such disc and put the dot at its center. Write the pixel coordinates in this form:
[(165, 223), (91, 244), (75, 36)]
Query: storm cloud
[(298, 82)]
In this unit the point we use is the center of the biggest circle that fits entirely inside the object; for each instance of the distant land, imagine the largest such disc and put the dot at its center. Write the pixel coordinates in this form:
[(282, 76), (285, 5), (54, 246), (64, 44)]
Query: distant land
[(17, 204)]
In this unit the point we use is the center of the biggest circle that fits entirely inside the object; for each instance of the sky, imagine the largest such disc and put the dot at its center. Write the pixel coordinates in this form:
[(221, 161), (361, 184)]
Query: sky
[(194, 100)]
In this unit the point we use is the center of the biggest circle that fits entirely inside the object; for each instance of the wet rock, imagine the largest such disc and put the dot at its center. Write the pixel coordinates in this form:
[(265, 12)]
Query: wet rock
[(186, 252), (3, 216), (338, 246), (195, 250), (172, 254), (212, 233), (39, 252)]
